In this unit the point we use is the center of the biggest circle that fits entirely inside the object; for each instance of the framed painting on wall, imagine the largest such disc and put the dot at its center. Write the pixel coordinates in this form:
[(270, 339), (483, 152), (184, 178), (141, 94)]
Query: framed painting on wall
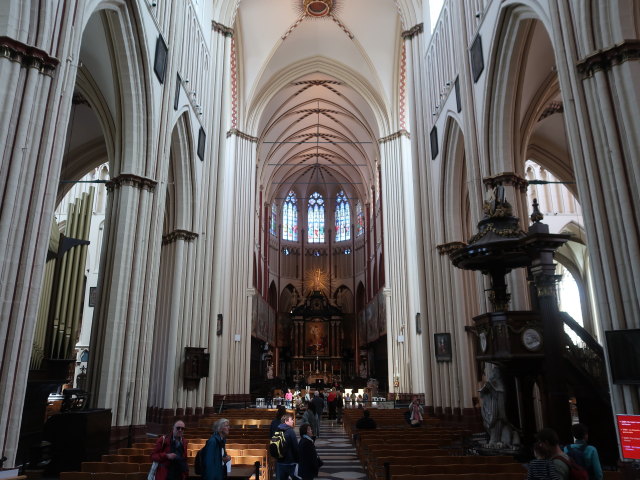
[(442, 343)]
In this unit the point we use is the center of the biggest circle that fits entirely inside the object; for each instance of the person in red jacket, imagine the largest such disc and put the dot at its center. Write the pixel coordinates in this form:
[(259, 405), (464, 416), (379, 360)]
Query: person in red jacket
[(171, 454)]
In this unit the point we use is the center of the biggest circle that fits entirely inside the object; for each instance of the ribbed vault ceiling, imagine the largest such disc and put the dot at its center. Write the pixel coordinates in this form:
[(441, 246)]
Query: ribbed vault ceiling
[(318, 131), (317, 136)]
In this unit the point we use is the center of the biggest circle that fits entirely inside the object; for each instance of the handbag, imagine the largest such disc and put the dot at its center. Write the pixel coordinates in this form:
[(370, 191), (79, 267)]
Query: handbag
[(152, 471), (154, 465)]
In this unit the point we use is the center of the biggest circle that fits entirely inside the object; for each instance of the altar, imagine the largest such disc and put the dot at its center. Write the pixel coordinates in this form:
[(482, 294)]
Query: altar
[(315, 377), (316, 341)]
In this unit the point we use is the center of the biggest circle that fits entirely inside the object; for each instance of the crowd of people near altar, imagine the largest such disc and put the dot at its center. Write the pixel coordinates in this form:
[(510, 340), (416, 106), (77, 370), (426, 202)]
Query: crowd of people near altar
[(333, 399)]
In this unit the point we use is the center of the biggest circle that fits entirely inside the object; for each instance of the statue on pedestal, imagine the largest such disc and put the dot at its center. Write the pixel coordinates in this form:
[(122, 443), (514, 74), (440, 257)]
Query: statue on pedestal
[(494, 415)]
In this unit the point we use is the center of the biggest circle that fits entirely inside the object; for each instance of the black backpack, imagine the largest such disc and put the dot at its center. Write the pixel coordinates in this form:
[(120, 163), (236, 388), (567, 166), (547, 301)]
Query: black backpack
[(278, 445), (198, 465)]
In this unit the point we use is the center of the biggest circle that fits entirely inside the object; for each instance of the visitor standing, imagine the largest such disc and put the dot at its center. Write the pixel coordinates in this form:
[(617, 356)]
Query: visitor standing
[(584, 455), (549, 439), (170, 452), (331, 404), (286, 466), (275, 423), (339, 405), (215, 458), (309, 417), (309, 464), (542, 468), (288, 397), (318, 404)]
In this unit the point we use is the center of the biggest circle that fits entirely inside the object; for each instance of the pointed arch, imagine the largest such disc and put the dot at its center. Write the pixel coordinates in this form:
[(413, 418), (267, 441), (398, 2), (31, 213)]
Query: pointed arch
[(454, 191), (360, 297), (181, 182), (344, 298), (129, 62), (272, 297), (503, 139)]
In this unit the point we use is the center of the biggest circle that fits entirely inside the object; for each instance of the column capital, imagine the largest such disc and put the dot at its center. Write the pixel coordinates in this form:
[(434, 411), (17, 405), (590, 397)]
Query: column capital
[(221, 29), (131, 180), (606, 58), (244, 136), (176, 235), (394, 136), (446, 248), (413, 31), (27, 56)]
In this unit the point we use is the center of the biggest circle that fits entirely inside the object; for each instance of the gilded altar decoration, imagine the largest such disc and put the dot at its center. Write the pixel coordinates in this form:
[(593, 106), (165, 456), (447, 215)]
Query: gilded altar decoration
[(317, 280)]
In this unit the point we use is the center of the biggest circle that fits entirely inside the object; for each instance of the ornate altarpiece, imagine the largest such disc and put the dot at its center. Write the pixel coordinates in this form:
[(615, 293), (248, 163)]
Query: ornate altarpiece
[(317, 340)]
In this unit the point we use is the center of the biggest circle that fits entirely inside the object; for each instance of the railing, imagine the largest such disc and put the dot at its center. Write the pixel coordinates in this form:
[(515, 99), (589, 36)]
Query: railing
[(589, 357)]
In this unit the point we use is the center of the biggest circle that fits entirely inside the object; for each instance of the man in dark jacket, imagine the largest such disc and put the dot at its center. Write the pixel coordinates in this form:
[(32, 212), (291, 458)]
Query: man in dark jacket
[(286, 466), (318, 403)]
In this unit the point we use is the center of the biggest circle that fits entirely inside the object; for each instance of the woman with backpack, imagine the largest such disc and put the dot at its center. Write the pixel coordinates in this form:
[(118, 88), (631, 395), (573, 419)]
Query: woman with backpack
[(214, 454)]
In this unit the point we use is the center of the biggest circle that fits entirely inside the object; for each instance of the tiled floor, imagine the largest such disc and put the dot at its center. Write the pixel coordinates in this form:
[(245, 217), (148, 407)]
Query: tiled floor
[(337, 453)]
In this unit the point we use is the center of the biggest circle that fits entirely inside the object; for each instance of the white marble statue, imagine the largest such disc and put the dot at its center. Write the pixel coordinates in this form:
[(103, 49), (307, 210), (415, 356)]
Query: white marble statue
[(494, 415)]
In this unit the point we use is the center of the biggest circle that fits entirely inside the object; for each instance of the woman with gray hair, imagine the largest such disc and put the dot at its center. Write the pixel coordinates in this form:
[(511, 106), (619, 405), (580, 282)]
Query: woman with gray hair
[(215, 454)]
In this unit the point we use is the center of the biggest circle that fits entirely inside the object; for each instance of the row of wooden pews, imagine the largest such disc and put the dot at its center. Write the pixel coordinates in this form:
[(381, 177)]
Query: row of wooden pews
[(397, 451), (248, 442)]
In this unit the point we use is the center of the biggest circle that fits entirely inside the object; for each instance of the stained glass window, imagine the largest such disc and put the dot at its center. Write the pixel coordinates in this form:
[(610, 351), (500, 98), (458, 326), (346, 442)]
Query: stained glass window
[(343, 218), (316, 218), (274, 219), (359, 219), (290, 218)]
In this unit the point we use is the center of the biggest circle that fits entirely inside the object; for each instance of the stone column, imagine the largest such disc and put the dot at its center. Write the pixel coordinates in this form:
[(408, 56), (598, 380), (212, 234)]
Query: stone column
[(35, 101), (231, 362), (598, 78), (213, 216), (171, 332), (120, 337), (406, 356)]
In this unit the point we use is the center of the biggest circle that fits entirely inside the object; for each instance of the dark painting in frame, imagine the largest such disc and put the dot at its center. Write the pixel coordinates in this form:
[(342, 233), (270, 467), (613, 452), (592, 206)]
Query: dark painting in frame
[(477, 60), (442, 344), (160, 59)]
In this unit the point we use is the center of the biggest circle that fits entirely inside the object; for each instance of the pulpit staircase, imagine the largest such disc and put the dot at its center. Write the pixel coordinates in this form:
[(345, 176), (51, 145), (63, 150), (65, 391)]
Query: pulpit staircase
[(586, 378)]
